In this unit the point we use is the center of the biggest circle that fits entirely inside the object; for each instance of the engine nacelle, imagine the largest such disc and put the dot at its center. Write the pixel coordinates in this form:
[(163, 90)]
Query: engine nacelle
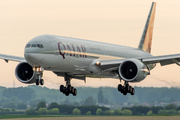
[(24, 73), (133, 70)]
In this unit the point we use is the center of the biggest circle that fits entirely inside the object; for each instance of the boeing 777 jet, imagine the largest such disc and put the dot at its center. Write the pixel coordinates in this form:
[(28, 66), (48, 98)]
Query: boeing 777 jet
[(75, 58)]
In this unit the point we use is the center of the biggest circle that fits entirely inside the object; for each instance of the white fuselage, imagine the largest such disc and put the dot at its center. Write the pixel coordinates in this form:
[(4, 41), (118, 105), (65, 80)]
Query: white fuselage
[(76, 56)]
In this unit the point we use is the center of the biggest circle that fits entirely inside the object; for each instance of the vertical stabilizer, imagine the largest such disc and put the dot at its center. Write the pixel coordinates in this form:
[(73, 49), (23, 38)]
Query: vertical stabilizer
[(146, 39)]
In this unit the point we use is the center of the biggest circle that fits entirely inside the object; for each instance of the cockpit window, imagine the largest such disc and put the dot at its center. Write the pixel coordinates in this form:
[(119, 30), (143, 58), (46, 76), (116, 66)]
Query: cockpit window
[(33, 45), (28, 45), (40, 45)]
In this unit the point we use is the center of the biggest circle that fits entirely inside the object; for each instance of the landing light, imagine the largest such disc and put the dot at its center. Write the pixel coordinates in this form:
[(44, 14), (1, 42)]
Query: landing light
[(98, 63), (38, 69)]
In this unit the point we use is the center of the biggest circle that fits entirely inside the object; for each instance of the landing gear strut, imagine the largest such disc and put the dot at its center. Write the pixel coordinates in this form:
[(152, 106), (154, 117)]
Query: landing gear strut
[(39, 73), (68, 89), (126, 89)]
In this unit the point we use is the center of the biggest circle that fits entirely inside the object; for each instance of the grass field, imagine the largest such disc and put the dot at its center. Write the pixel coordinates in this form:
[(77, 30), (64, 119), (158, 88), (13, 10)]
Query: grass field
[(37, 117)]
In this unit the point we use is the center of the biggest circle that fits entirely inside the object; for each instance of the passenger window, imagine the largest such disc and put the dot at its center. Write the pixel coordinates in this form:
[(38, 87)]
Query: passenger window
[(33, 45), (28, 45)]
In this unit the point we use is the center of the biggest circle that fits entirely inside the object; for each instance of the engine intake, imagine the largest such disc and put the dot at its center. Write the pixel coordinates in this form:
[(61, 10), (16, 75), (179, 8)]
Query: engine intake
[(24, 73), (133, 70)]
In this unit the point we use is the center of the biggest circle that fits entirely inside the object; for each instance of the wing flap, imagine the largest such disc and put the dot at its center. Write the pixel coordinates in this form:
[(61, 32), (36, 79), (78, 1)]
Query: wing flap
[(11, 58)]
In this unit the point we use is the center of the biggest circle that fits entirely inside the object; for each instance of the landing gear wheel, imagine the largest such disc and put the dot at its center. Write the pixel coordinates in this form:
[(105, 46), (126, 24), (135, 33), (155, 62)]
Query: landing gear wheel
[(122, 89), (67, 94), (125, 93), (37, 82), (75, 92), (130, 89), (61, 88), (119, 87), (127, 88), (72, 90), (133, 91), (69, 88), (42, 82)]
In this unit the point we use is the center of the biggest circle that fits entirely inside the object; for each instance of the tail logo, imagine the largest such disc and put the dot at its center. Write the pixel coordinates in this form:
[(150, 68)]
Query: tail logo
[(146, 39)]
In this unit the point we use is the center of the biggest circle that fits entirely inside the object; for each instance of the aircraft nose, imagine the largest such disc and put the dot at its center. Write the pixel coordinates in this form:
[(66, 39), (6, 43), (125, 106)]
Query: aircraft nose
[(32, 53), (33, 58)]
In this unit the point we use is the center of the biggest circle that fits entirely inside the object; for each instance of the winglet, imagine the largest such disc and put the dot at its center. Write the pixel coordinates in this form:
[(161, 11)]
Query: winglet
[(146, 39)]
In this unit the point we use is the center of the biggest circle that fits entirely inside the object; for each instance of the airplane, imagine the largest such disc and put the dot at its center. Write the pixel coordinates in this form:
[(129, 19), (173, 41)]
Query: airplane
[(74, 58)]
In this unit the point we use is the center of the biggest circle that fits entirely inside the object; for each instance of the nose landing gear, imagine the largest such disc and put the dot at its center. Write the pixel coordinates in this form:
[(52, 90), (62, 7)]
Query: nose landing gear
[(39, 73), (39, 81)]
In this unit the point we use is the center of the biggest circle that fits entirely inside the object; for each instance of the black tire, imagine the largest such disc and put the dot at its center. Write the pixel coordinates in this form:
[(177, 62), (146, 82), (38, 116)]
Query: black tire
[(75, 92), (127, 88), (133, 91), (69, 88), (67, 94), (124, 93), (37, 82), (72, 90), (62, 88), (119, 87), (42, 82), (123, 89), (130, 89)]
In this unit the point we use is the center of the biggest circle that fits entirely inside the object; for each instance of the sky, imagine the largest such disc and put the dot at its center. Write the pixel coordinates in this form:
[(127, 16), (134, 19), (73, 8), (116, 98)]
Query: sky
[(112, 21)]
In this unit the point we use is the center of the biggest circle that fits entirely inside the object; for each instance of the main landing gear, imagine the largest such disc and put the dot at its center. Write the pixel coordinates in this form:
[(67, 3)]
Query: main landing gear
[(68, 89), (39, 73), (126, 89)]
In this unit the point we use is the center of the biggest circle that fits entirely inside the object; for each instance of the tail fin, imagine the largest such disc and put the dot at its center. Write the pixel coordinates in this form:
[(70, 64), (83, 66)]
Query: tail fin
[(146, 39)]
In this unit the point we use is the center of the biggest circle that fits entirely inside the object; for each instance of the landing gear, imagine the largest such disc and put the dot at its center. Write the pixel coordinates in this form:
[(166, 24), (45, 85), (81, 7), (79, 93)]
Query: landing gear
[(41, 82), (126, 89), (68, 89), (39, 73), (37, 82)]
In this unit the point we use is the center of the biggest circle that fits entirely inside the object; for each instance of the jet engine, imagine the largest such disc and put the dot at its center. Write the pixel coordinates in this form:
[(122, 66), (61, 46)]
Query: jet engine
[(133, 70), (24, 73)]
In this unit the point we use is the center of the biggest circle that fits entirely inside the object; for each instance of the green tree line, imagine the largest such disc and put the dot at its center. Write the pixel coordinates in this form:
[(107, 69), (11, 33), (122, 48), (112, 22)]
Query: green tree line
[(10, 111), (154, 110), (57, 109)]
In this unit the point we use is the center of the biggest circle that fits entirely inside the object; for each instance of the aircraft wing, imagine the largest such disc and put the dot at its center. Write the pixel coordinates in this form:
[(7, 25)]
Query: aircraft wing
[(11, 58), (163, 60), (110, 65)]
